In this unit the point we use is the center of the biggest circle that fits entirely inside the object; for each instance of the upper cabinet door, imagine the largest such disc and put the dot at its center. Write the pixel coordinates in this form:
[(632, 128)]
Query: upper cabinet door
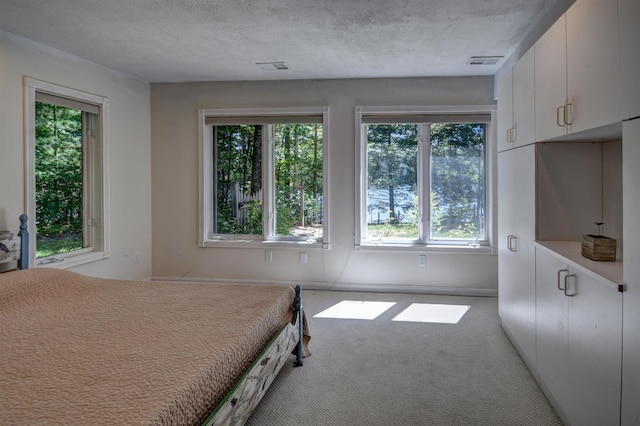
[(505, 111), (516, 104), (551, 81), (593, 64), (629, 14), (523, 100)]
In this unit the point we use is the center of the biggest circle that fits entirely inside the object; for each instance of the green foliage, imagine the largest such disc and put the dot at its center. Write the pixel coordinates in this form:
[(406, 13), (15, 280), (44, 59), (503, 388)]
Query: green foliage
[(239, 165), (254, 219), (392, 230), (52, 246), (457, 173), (458, 180), (58, 174), (392, 154), (286, 219), (298, 177)]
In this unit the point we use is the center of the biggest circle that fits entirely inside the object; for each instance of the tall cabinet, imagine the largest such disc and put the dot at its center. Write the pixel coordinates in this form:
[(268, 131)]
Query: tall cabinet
[(631, 268), (576, 322), (516, 233)]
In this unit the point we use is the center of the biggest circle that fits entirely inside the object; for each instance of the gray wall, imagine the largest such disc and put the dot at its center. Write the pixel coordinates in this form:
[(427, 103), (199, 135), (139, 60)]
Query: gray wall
[(174, 158), (129, 141)]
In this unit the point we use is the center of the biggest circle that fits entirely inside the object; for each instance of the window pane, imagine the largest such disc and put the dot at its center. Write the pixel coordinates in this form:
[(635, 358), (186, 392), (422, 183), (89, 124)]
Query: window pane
[(58, 179), (238, 179), (298, 180), (392, 199), (457, 181)]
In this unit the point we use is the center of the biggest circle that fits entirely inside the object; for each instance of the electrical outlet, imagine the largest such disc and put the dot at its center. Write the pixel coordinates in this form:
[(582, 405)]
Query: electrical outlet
[(303, 257), (422, 260), (268, 256), (136, 257)]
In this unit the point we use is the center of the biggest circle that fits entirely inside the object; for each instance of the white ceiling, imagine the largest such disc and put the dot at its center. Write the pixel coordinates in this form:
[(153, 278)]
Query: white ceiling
[(206, 40)]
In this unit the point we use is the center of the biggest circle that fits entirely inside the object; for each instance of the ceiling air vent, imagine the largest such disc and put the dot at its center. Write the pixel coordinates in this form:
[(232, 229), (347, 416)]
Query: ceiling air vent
[(485, 60), (272, 66)]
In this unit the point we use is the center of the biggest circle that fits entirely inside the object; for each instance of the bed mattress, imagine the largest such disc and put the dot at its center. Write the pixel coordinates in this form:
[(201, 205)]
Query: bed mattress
[(82, 350)]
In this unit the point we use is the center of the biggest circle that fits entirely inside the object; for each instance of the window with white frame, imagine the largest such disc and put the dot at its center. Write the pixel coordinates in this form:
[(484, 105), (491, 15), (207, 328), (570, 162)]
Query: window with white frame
[(422, 177), (66, 163), (263, 175)]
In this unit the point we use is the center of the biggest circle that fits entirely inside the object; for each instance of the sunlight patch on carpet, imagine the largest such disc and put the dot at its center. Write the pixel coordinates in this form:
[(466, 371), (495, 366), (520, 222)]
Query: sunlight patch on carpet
[(429, 312), (355, 309)]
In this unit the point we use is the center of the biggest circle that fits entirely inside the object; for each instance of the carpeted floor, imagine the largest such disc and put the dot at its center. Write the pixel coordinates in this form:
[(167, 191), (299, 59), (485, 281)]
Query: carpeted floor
[(384, 372)]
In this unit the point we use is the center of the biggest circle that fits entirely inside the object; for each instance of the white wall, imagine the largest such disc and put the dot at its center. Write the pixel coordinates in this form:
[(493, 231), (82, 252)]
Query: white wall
[(129, 141), (174, 155)]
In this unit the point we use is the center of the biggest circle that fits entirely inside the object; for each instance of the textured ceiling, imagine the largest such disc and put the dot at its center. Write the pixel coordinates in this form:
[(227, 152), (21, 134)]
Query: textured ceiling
[(204, 40)]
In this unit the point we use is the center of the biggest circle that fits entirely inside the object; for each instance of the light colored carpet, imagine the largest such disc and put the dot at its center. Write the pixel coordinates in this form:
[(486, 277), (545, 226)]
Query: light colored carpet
[(382, 372)]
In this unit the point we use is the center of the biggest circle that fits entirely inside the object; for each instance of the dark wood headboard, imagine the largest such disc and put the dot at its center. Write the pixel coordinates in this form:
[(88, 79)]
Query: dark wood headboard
[(23, 263)]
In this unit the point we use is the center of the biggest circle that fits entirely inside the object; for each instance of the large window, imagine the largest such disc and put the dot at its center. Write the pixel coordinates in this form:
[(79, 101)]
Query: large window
[(263, 176), (66, 174), (422, 178)]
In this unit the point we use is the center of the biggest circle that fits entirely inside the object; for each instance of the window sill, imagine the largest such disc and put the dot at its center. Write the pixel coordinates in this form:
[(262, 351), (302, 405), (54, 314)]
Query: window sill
[(264, 244), (447, 249), (71, 261)]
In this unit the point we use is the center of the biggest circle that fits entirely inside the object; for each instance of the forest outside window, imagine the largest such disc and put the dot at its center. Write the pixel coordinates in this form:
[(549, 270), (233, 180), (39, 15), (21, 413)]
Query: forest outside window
[(422, 179), (66, 148), (263, 176)]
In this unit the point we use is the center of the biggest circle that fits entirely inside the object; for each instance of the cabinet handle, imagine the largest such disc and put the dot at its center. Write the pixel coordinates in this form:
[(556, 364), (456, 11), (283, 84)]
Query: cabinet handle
[(558, 122), (514, 132), (510, 138), (566, 285), (566, 108), (510, 239), (559, 273)]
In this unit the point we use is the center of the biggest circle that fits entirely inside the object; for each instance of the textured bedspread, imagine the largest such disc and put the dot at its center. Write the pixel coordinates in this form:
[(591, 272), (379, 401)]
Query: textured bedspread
[(81, 350)]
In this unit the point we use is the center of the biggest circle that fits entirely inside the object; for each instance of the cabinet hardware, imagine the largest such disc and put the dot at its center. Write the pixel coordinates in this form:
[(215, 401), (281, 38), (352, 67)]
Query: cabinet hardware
[(566, 285), (559, 273), (561, 124), (510, 239), (566, 108)]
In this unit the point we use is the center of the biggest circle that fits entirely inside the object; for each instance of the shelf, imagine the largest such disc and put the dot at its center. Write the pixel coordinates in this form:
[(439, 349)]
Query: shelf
[(609, 273)]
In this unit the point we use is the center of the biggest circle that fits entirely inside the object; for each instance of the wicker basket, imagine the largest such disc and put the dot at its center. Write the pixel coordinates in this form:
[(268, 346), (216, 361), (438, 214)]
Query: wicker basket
[(599, 247)]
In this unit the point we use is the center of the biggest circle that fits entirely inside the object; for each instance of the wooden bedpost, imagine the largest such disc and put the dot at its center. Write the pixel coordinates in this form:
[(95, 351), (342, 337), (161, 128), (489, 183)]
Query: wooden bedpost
[(24, 242), (297, 307)]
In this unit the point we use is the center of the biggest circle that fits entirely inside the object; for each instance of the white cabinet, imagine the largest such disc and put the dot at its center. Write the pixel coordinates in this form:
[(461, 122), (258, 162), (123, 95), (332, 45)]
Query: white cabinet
[(579, 340), (516, 104), (504, 90), (593, 64), (629, 13), (523, 99), (552, 329), (631, 273), (551, 81), (516, 259), (577, 68)]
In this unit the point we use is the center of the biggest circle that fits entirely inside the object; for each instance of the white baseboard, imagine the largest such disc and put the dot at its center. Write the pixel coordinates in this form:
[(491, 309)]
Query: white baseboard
[(364, 287)]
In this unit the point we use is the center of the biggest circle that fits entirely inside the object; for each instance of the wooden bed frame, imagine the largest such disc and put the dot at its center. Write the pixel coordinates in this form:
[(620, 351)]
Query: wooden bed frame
[(246, 393)]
